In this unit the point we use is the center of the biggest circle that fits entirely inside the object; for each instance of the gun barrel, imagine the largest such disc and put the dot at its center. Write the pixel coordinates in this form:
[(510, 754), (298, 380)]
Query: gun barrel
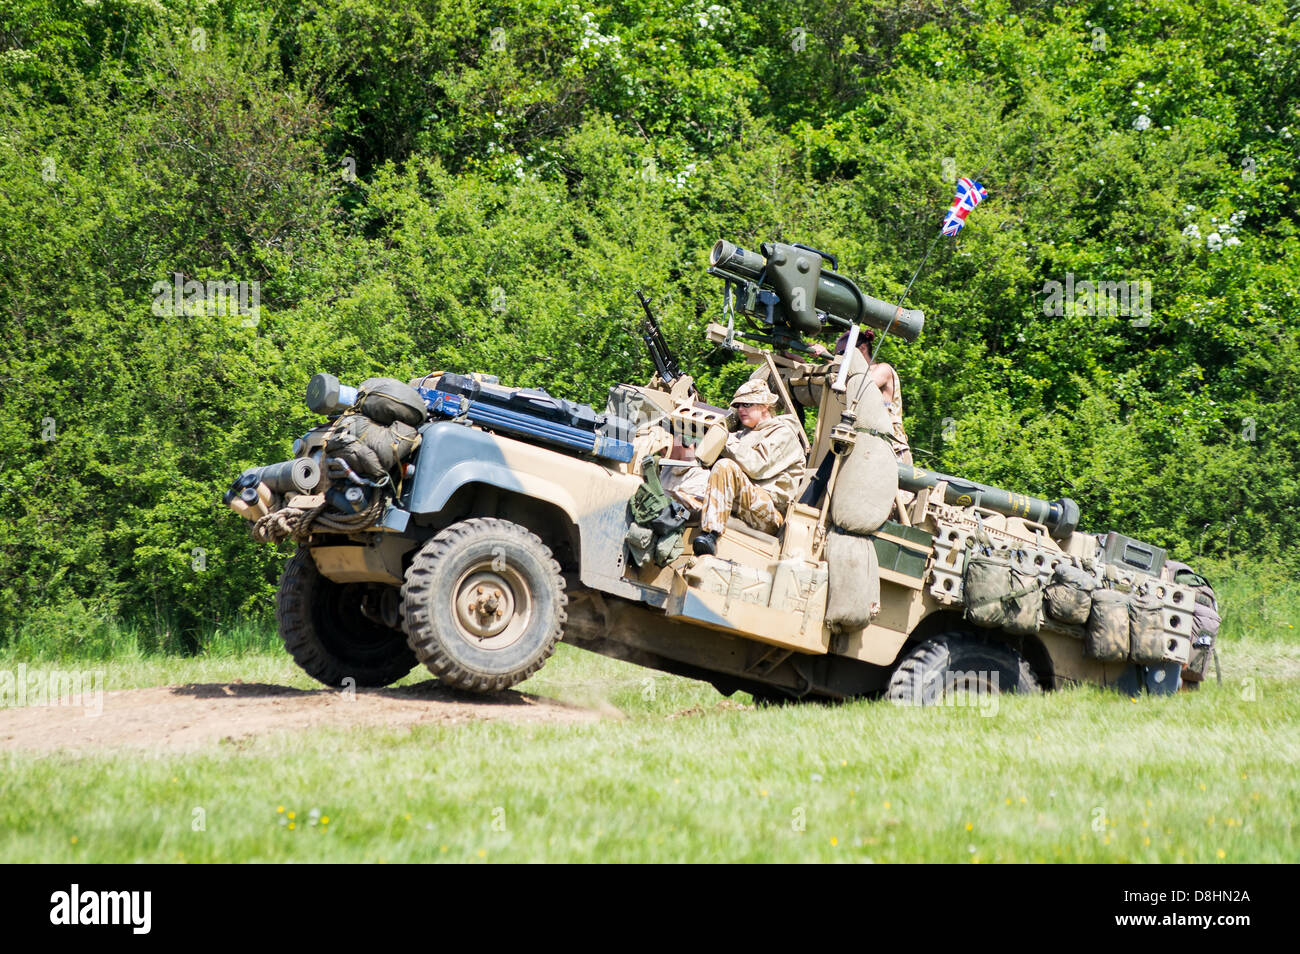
[(663, 360), (1061, 517), (837, 297)]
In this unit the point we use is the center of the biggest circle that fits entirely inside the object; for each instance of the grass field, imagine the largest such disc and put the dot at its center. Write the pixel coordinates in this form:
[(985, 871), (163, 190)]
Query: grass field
[(684, 775)]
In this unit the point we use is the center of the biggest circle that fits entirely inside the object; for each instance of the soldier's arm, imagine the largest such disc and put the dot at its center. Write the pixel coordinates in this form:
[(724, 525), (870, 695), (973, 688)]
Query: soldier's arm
[(776, 451), (883, 376)]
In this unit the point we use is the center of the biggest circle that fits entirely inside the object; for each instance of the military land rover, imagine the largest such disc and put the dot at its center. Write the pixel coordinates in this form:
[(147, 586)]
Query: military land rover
[(466, 525)]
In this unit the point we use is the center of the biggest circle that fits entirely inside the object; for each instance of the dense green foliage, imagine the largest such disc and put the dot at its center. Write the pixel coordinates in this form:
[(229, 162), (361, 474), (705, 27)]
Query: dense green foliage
[(467, 185)]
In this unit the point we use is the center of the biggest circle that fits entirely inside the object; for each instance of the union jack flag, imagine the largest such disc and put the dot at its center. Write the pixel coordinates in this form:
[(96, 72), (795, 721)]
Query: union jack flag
[(969, 194)]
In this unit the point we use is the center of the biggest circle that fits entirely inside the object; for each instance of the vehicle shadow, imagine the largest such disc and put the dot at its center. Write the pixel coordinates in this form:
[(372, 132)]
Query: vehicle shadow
[(430, 690)]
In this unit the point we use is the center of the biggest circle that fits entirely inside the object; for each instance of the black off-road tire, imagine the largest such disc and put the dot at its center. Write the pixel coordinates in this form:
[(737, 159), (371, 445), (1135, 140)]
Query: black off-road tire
[(326, 633), (933, 665), (483, 604)]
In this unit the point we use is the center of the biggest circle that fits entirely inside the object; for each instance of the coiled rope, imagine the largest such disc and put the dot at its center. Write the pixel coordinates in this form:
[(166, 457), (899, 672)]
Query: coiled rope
[(298, 523)]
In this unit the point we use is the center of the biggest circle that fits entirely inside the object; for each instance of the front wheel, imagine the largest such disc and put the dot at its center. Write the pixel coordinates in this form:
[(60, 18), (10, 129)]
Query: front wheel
[(955, 664), (483, 604)]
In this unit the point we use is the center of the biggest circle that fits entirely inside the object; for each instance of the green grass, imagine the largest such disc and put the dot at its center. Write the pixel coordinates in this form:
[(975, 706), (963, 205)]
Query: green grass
[(1080, 775), (676, 773)]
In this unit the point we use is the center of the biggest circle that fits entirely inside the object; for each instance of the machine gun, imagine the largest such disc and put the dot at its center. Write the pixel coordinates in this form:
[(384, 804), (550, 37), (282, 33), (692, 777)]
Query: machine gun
[(789, 292), (665, 362)]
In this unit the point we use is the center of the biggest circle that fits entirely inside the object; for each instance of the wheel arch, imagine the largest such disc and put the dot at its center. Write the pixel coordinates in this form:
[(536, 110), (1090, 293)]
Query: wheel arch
[(587, 500), (550, 520), (952, 620), (451, 457)]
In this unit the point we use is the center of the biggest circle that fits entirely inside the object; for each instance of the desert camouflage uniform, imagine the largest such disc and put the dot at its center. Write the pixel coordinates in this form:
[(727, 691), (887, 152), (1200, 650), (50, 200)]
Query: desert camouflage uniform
[(755, 477)]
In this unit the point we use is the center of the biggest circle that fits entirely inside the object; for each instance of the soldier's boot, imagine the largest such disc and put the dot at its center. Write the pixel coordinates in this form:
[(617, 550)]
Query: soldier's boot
[(705, 544)]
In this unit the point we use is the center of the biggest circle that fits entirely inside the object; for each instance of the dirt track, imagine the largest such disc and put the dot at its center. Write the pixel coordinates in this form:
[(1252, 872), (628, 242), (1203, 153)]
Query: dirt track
[(191, 716)]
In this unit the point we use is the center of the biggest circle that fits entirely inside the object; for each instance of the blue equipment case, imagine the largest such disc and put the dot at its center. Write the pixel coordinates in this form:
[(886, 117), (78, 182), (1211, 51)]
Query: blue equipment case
[(527, 413)]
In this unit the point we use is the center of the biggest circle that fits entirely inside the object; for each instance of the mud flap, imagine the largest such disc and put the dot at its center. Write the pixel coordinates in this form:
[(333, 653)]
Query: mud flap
[(1163, 679)]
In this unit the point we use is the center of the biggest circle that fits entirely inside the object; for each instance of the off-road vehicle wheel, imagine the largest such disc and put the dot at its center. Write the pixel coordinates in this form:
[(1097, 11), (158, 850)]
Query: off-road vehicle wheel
[(483, 604), (326, 633), (953, 663)]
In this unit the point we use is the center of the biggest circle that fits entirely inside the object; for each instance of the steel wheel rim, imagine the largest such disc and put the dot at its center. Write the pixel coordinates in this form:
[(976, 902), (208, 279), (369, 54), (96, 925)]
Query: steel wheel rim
[(492, 606)]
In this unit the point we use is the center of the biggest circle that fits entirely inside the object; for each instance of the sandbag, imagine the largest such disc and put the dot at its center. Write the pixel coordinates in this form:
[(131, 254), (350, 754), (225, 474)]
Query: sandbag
[(1106, 636), (1068, 598), (386, 400), (864, 491), (369, 448), (1146, 630), (999, 594), (853, 581)]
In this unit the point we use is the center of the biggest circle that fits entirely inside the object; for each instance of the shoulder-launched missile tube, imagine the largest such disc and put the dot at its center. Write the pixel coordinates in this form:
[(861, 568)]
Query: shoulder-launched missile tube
[(1061, 517), (779, 271)]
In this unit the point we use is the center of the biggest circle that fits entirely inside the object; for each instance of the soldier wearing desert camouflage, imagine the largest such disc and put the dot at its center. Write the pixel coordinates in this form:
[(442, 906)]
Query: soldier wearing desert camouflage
[(757, 472)]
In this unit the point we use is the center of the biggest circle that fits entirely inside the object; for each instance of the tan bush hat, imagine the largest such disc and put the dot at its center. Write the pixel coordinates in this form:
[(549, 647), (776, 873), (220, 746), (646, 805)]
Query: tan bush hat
[(753, 392)]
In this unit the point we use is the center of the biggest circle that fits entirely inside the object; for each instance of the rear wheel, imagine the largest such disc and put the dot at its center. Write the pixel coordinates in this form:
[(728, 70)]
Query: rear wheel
[(763, 695), (951, 665), (483, 604), (327, 633)]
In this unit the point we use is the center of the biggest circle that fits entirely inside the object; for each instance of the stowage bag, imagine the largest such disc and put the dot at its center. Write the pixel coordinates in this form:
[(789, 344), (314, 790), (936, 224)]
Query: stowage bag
[(386, 400), (998, 594), (1068, 598), (853, 581), (1146, 630), (368, 447), (1106, 636)]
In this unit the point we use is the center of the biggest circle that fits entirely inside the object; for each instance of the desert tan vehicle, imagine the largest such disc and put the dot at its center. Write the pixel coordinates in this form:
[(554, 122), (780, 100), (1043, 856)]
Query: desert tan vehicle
[(497, 521)]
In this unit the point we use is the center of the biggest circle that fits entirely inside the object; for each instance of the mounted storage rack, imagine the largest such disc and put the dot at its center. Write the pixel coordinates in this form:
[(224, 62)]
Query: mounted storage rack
[(530, 414)]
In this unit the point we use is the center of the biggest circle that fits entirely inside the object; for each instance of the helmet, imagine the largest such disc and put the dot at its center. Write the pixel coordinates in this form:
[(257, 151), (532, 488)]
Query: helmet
[(753, 392)]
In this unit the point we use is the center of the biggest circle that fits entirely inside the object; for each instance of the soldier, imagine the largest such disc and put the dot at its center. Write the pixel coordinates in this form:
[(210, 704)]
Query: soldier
[(885, 378), (757, 472)]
